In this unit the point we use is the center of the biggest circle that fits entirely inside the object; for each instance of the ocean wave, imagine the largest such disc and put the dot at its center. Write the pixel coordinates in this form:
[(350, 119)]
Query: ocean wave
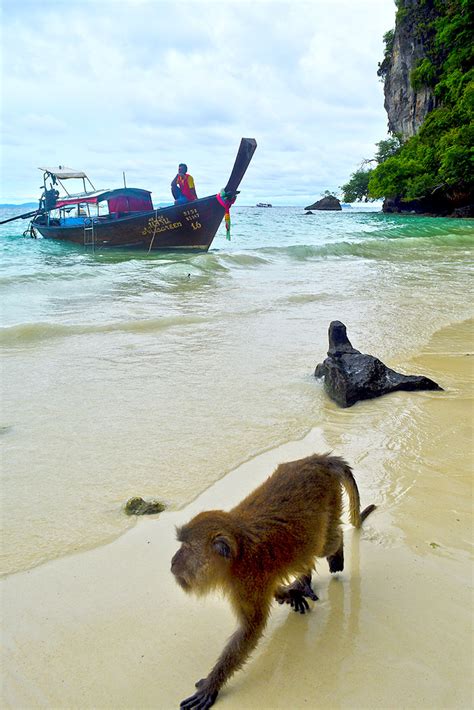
[(32, 333), (305, 252), (243, 260), (302, 298), (375, 247), (210, 263), (42, 277)]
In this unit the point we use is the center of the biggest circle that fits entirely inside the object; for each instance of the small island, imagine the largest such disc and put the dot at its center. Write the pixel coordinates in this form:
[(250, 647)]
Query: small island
[(328, 202)]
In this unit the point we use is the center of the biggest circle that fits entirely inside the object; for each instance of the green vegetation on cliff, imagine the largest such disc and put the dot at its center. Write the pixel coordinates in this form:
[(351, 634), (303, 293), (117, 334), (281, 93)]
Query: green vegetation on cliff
[(439, 158)]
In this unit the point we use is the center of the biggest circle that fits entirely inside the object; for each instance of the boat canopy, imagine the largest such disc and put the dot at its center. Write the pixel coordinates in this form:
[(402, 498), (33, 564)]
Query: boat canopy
[(81, 198), (63, 173), (124, 199)]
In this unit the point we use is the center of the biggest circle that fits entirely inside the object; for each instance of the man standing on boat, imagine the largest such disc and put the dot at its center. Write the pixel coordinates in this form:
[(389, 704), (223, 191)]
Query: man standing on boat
[(182, 186)]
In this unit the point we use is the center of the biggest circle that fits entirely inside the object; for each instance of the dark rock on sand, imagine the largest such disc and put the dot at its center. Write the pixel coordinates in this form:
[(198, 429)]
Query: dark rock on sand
[(309, 212), (350, 376), (138, 506), (327, 203)]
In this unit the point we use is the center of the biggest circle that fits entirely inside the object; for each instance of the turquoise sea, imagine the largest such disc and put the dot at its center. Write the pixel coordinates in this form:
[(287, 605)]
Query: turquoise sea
[(133, 374)]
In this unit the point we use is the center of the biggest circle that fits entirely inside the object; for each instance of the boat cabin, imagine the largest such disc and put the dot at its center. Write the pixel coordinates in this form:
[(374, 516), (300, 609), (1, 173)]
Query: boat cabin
[(99, 205), (107, 204)]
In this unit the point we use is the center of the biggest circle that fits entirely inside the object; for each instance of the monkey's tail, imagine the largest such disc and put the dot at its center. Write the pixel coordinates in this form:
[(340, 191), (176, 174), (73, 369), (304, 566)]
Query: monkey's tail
[(356, 516), (367, 511)]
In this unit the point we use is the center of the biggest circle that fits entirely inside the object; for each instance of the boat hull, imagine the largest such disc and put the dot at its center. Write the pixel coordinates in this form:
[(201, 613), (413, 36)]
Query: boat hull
[(191, 226)]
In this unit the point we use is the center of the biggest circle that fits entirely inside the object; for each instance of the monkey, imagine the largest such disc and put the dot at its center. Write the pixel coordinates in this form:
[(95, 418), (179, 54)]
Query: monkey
[(253, 551)]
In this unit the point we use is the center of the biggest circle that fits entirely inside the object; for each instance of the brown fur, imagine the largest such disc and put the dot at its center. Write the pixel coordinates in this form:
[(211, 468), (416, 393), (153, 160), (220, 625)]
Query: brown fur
[(273, 535)]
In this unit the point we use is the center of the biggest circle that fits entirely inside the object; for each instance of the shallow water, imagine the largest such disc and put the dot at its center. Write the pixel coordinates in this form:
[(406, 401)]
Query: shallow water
[(127, 374)]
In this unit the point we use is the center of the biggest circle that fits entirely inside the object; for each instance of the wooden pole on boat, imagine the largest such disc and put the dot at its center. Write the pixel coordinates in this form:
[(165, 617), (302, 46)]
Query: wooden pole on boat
[(22, 216), (124, 182)]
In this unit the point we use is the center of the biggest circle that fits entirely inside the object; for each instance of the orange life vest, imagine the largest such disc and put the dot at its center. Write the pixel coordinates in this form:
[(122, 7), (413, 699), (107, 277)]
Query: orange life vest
[(186, 184)]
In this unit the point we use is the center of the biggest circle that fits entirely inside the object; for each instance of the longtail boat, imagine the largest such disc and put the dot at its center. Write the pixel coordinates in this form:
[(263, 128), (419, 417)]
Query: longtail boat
[(126, 218)]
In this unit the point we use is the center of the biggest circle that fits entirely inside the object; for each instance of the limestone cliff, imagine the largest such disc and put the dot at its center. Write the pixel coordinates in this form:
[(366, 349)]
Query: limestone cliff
[(407, 107), (428, 71)]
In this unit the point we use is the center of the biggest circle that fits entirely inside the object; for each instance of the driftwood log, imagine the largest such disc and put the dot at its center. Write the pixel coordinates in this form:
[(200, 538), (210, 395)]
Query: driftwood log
[(350, 376)]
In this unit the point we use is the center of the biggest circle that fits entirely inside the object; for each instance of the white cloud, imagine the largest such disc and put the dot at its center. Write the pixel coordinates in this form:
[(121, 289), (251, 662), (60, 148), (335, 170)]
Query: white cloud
[(141, 85)]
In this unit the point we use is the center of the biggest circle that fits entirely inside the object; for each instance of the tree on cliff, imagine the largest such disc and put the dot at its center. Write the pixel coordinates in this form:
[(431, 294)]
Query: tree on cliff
[(358, 186), (436, 164)]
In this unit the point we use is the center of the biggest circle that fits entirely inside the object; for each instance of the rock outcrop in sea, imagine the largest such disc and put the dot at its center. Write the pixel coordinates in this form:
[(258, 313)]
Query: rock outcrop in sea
[(329, 202), (351, 376)]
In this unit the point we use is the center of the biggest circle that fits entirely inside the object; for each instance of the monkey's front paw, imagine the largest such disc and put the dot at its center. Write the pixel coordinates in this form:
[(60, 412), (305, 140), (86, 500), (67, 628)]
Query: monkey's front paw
[(293, 597), (298, 602), (203, 699), (296, 594), (307, 591)]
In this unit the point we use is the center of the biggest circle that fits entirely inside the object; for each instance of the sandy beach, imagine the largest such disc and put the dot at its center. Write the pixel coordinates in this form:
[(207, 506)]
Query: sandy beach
[(168, 289), (108, 628)]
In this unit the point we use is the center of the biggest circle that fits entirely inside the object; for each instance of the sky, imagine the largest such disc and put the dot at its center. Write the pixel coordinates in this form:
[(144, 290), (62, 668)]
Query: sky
[(139, 86)]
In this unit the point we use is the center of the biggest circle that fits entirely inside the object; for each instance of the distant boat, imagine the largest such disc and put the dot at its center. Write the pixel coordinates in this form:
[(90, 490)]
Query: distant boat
[(263, 204), (128, 219), (345, 204)]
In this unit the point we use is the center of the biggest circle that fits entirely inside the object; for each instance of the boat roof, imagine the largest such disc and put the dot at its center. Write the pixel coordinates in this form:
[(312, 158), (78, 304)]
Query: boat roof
[(79, 198), (101, 195), (64, 173), (123, 192)]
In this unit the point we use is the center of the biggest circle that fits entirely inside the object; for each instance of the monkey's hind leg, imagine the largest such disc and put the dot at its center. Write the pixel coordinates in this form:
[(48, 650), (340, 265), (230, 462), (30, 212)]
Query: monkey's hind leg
[(295, 594), (336, 561), (334, 546), (334, 551)]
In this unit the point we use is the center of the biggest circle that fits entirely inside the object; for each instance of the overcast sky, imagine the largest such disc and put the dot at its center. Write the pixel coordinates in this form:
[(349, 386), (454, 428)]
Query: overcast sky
[(142, 85)]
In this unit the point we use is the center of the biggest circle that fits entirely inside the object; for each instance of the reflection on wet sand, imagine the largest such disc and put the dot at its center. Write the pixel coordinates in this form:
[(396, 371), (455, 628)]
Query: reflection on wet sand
[(312, 647)]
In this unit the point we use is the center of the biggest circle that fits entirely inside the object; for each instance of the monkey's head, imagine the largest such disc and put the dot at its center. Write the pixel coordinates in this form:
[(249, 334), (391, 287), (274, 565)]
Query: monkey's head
[(208, 545)]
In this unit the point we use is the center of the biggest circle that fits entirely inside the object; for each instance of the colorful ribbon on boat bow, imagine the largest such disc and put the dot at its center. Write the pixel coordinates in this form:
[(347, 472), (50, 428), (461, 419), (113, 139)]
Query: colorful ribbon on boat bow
[(226, 200)]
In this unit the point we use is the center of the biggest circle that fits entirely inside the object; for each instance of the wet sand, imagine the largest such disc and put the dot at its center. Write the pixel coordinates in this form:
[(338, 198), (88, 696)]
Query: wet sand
[(108, 628)]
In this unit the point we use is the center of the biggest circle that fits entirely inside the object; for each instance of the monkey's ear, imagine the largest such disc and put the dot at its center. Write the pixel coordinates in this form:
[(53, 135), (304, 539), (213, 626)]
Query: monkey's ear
[(223, 546)]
